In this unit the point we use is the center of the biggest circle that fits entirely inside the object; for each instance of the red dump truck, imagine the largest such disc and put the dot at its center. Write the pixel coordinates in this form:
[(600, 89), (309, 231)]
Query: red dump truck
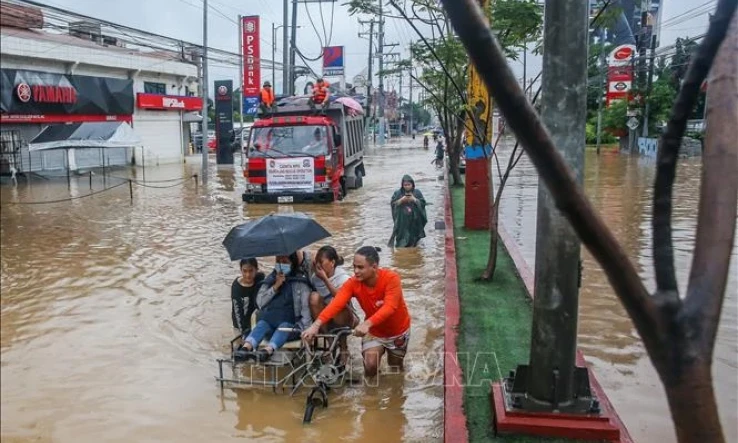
[(295, 155)]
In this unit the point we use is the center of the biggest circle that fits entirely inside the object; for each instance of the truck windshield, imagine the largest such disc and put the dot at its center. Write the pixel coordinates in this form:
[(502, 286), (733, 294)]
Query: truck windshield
[(290, 141)]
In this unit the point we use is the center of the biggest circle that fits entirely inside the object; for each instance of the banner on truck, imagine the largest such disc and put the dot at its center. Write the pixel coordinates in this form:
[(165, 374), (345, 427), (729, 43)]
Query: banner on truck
[(251, 54), (294, 174)]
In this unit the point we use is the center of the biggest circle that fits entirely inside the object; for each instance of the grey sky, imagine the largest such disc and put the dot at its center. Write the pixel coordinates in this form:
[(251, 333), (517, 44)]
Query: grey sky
[(182, 19)]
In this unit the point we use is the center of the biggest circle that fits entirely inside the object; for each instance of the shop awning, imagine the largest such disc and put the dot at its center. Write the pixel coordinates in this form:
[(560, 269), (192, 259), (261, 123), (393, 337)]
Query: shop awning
[(86, 135)]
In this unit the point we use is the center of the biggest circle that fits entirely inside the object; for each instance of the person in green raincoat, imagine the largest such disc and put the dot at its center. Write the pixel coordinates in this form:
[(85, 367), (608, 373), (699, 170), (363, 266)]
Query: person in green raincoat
[(408, 213)]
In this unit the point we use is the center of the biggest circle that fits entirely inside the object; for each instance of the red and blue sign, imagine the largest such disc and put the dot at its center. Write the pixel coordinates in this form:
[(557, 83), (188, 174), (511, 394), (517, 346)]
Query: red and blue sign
[(333, 60)]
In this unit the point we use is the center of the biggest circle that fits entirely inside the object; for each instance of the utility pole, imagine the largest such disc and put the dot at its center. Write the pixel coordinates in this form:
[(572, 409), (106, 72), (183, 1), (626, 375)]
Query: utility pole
[(649, 85), (274, 50), (600, 91), (369, 84), (380, 54), (525, 68), (285, 55), (293, 45), (205, 91), (551, 382), (412, 110)]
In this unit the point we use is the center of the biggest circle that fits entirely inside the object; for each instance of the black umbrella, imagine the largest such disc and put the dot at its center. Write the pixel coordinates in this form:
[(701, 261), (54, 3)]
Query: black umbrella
[(274, 234)]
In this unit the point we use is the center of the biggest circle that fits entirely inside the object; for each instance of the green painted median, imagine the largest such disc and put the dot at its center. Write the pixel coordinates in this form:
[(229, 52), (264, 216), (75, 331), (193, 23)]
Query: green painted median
[(494, 331)]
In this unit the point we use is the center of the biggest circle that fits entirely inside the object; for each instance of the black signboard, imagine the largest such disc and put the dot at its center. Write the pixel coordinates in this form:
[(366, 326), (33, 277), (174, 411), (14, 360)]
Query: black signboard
[(33, 92), (224, 121)]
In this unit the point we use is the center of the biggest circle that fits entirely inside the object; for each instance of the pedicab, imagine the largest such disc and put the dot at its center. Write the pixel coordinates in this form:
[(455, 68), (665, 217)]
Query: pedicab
[(315, 366)]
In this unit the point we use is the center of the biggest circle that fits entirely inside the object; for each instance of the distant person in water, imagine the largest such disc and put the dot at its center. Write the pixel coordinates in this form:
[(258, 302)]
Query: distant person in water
[(408, 214)]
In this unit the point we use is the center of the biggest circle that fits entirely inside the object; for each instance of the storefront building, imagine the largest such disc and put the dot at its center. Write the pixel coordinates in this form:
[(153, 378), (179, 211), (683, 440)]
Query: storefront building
[(50, 79)]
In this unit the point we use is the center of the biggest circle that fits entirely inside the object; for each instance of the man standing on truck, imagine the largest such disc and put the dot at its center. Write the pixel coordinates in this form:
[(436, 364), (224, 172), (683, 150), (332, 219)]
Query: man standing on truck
[(266, 98), (321, 93)]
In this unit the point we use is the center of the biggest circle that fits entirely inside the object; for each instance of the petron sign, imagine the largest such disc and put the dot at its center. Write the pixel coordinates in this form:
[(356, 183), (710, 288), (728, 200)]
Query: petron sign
[(48, 97)]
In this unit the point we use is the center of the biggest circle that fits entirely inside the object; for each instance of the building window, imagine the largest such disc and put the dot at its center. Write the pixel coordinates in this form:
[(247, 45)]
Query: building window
[(155, 88)]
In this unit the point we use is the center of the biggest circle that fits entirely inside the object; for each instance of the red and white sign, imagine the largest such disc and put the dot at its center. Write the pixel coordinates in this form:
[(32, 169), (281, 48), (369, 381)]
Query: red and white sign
[(615, 87), (251, 54), (622, 55), (46, 94), (168, 102), (62, 118)]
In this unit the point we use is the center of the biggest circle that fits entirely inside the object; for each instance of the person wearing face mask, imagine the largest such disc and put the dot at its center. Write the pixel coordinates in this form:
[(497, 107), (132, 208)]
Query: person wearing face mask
[(283, 302)]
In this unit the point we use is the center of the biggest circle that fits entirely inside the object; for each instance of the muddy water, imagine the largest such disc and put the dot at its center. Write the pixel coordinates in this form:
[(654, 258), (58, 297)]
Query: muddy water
[(620, 187), (113, 313)]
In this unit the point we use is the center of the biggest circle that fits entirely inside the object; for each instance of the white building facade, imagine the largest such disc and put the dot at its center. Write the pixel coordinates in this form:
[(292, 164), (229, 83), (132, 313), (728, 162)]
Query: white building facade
[(52, 79)]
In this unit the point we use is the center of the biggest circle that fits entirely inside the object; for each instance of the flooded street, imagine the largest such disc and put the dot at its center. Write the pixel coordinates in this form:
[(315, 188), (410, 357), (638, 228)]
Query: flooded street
[(113, 312), (620, 187)]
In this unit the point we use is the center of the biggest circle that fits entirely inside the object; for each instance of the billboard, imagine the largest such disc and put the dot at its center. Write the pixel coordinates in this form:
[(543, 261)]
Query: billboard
[(622, 23), (333, 60), (251, 54), (479, 123)]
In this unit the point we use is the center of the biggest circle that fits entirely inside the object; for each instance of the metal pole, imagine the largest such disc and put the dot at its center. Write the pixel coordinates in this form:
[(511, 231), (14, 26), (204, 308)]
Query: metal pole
[(205, 91), (525, 67), (649, 84), (293, 43), (551, 378), (240, 96), (412, 110), (285, 54), (143, 164), (380, 125), (274, 50), (603, 73)]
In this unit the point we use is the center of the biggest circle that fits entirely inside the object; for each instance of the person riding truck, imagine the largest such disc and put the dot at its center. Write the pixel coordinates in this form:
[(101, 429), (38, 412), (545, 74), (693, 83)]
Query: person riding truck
[(321, 93), (266, 98)]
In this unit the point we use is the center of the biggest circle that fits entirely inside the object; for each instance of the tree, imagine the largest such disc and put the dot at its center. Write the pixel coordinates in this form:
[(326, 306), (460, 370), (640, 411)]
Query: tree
[(439, 64), (678, 332)]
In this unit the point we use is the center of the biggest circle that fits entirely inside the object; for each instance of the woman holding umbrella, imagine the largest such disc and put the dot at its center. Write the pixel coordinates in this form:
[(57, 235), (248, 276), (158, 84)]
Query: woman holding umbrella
[(283, 302)]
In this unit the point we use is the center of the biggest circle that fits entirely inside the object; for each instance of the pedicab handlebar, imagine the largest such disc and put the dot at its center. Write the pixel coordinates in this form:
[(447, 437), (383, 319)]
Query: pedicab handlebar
[(333, 333)]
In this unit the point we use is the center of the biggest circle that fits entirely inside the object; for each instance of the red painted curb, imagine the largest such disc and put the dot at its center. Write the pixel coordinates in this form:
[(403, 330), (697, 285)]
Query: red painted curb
[(526, 275), (454, 420)]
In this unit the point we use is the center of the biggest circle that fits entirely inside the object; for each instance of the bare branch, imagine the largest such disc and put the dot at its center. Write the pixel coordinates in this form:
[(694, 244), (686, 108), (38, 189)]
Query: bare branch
[(486, 54), (663, 248), (718, 194)]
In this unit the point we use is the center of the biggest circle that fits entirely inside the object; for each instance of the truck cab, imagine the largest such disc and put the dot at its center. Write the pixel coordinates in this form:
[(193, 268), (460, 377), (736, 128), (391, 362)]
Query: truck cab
[(295, 156)]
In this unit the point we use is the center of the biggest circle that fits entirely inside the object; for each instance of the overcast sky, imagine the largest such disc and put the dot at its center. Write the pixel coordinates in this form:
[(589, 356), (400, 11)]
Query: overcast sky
[(182, 19)]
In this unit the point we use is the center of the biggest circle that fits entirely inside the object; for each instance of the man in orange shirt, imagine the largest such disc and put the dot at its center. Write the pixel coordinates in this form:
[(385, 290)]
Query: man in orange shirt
[(321, 93), (379, 293)]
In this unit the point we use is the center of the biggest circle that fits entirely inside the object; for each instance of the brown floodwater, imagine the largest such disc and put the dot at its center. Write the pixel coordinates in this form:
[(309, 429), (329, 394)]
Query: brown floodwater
[(620, 187), (113, 312)]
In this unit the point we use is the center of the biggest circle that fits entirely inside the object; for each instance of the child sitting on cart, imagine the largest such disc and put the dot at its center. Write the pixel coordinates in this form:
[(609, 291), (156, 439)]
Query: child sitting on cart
[(283, 304)]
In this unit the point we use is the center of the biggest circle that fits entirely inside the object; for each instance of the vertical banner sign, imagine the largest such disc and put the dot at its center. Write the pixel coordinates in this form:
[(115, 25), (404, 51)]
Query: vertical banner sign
[(478, 148), (251, 65), (224, 121), (333, 61)]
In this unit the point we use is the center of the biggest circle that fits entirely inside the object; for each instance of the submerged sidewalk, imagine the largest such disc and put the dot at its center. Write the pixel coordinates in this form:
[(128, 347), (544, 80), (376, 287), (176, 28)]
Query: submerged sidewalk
[(494, 328)]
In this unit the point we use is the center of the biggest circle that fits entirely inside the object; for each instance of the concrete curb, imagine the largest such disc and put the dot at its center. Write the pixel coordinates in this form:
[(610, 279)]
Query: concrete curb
[(454, 420)]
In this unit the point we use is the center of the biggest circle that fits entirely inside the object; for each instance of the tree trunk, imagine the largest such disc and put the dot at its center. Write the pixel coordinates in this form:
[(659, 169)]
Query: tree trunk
[(494, 223), (693, 406), (453, 147)]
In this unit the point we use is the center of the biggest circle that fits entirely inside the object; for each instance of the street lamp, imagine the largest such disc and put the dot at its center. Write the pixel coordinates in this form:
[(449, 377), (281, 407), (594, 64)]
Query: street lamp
[(274, 49)]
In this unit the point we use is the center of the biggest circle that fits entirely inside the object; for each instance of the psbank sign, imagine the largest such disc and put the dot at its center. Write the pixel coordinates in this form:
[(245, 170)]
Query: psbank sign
[(168, 102)]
